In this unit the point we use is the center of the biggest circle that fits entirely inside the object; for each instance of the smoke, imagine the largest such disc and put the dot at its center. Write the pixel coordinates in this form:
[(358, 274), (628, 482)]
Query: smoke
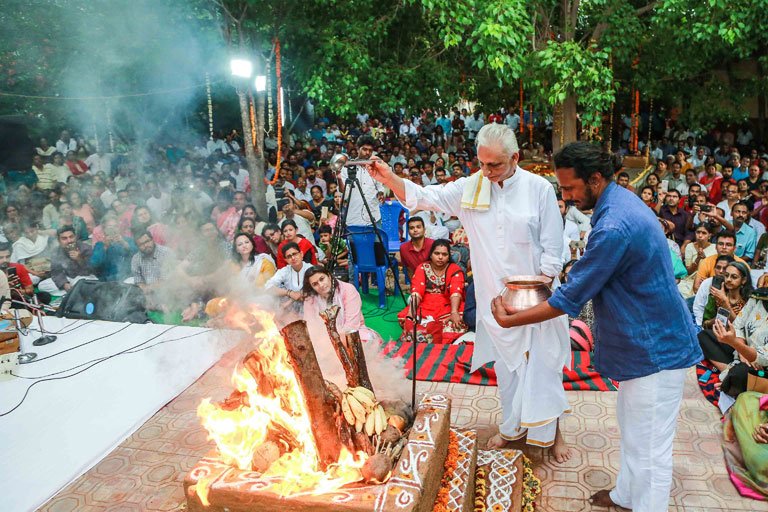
[(142, 62)]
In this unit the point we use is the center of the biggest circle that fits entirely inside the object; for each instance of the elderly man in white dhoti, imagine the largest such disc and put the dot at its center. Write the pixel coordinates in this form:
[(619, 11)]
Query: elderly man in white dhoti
[(514, 227)]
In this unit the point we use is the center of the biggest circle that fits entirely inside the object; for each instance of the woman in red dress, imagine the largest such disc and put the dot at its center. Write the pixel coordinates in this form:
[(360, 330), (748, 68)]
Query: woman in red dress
[(438, 291)]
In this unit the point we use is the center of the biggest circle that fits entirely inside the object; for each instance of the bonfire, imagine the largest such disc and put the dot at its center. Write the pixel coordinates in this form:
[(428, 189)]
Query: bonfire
[(295, 432)]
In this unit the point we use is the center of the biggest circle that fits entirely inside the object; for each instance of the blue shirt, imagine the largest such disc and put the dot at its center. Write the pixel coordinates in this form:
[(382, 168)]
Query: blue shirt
[(642, 324), (746, 241), (739, 174)]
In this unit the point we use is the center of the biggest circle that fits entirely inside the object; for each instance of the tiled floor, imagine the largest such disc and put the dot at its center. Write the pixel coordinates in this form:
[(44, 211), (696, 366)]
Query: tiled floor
[(146, 471)]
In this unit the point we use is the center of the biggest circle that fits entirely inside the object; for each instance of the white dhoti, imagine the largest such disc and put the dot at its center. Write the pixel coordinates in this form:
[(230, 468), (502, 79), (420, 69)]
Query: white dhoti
[(532, 395), (647, 410)]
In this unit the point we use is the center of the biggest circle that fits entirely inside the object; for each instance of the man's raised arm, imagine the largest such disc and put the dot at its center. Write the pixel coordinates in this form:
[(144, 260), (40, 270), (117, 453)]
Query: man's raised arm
[(442, 198)]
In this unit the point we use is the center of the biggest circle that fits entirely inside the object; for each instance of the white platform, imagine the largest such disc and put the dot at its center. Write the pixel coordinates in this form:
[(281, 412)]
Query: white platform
[(64, 426)]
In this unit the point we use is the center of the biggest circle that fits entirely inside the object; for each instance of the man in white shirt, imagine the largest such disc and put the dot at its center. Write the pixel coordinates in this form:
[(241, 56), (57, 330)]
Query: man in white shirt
[(699, 158), (237, 173), (99, 162), (66, 143), (408, 129), (473, 126), (369, 188), (513, 121), (217, 143), (516, 229), (158, 202), (397, 157)]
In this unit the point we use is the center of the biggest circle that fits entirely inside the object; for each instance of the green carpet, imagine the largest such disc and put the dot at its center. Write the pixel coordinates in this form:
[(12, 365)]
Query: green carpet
[(382, 320)]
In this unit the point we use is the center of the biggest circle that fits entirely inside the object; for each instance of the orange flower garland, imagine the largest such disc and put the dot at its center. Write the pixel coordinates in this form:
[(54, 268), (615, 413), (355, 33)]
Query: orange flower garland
[(451, 462)]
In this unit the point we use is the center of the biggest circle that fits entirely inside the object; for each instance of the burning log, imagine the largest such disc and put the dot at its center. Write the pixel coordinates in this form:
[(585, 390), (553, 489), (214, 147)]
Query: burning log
[(350, 353), (256, 365), (320, 402)]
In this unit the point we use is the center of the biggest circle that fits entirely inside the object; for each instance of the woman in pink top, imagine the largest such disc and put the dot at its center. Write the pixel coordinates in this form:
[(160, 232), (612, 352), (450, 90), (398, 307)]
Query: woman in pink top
[(81, 209), (321, 290)]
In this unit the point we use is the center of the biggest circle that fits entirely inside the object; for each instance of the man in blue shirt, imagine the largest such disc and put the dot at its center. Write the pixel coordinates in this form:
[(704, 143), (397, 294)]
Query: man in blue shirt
[(746, 236), (645, 336)]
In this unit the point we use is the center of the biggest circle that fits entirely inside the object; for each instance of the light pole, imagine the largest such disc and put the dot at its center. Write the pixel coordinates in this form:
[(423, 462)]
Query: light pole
[(242, 73)]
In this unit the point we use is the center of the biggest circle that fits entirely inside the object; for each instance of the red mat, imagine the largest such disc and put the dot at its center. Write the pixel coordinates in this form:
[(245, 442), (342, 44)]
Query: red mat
[(451, 363)]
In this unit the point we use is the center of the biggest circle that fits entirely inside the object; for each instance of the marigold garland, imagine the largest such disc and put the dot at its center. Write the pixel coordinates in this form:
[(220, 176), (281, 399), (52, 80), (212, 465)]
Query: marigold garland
[(531, 486), (481, 489), (451, 462)]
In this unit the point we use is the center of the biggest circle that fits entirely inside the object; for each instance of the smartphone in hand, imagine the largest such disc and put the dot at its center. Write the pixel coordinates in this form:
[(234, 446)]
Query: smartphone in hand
[(723, 315)]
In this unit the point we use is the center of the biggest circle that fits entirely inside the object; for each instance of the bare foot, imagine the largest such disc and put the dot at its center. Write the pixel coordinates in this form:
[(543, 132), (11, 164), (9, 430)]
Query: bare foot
[(497, 443), (603, 499), (560, 451)]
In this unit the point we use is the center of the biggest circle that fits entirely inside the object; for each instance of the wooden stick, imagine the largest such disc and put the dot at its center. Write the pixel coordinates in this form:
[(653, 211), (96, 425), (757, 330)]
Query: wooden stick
[(350, 367), (320, 402), (355, 347)]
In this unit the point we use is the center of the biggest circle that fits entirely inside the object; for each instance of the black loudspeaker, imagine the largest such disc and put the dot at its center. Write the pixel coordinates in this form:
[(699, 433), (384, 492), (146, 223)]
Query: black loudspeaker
[(96, 300)]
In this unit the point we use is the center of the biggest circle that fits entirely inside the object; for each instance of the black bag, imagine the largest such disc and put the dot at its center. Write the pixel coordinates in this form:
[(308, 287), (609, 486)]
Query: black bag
[(96, 300)]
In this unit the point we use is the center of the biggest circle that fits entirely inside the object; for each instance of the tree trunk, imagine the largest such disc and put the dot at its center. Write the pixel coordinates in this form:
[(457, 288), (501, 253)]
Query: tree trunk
[(567, 123), (257, 175), (319, 400), (251, 159)]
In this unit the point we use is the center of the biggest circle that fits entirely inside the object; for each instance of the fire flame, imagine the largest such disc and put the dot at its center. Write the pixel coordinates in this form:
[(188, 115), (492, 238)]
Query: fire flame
[(240, 432)]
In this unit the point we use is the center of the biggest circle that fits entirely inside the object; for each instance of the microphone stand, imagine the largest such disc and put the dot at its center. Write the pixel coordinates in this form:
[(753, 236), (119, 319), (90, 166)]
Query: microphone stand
[(24, 357), (416, 319), (45, 339)]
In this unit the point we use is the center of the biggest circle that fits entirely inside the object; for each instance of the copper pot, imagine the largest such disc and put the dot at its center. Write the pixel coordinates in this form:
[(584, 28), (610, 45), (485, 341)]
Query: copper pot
[(523, 292)]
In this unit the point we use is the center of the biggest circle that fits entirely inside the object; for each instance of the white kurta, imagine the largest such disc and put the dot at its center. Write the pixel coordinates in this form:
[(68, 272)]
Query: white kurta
[(520, 234)]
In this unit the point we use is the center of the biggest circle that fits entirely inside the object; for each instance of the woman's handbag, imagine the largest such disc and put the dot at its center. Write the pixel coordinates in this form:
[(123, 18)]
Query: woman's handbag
[(742, 377)]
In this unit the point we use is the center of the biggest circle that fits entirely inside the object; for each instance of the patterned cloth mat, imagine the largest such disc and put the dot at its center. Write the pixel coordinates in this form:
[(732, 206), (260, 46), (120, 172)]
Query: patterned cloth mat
[(452, 363)]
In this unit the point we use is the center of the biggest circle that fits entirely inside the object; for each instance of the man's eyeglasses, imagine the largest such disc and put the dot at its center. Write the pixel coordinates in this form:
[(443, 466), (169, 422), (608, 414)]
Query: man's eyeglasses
[(292, 255)]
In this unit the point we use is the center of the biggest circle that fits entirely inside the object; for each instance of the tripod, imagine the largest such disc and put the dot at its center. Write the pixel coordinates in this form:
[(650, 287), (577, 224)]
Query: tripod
[(340, 231)]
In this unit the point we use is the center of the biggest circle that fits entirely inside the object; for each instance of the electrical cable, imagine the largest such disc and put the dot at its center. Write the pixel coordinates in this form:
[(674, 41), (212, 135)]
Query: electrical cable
[(131, 351), (26, 393), (81, 345), (63, 329)]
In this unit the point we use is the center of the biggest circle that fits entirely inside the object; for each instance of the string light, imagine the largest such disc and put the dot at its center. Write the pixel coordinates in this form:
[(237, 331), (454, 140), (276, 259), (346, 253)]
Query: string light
[(270, 105), (210, 104)]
